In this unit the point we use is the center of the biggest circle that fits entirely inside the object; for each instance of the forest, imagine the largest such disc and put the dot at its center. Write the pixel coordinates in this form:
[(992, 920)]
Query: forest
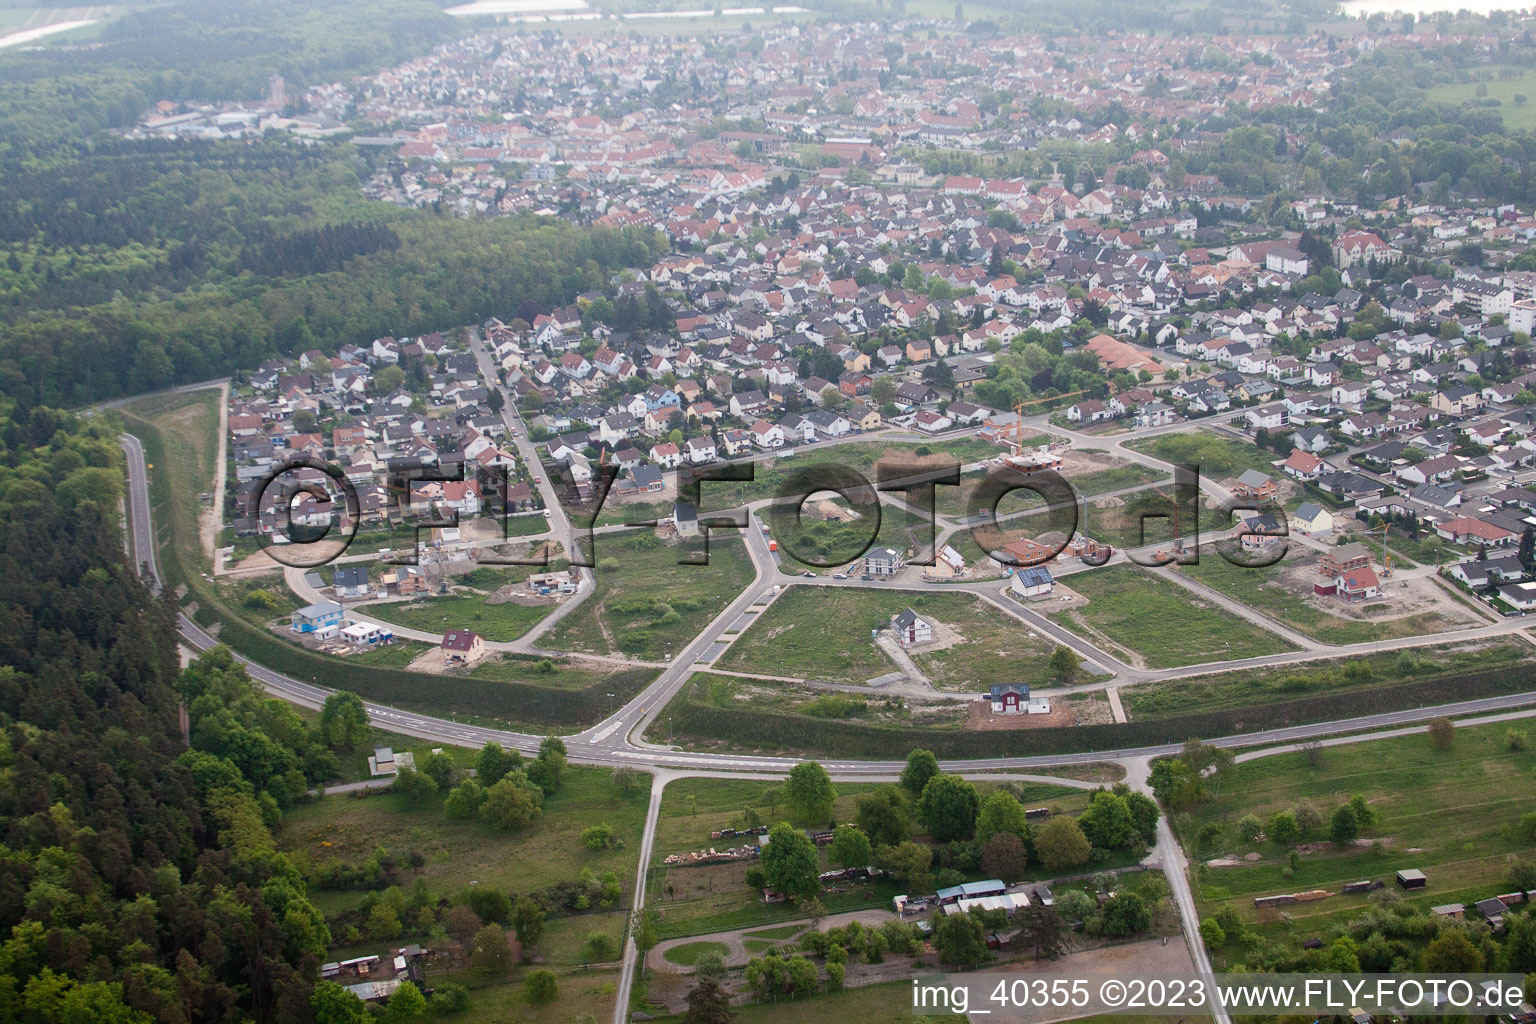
[(139, 880), (126, 267)]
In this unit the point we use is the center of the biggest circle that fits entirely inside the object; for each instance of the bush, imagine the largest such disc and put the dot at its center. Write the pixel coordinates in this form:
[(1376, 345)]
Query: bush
[(1250, 828), (598, 837), (1212, 934), (449, 997), (542, 985), (598, 949)]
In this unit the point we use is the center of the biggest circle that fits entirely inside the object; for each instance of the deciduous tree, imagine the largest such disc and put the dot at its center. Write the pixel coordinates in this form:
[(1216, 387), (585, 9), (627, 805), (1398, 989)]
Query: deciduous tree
[(809, 793)]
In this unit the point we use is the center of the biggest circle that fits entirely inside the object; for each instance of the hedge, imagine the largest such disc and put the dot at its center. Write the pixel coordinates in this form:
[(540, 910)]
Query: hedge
[(804, 735)]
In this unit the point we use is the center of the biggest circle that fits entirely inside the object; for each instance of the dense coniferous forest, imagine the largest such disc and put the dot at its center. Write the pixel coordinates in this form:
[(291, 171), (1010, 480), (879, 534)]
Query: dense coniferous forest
[(138, 879)]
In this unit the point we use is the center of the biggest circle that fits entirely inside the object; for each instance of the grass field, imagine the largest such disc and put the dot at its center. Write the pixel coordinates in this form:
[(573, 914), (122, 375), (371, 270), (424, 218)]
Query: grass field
[(1217, 457), (861, 456), (393, 655), (1261, 590), (1145, 517), (1148, 617), (1240, 689), (500, 1000), (890, 711), (341, 827), (703, 900), (647, 605), (1517, 115), (1442, 812), (505, 621), (823, 633)]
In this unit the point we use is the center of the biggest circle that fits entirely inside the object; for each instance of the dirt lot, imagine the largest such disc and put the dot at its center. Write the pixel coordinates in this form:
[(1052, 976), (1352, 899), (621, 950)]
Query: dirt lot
[(1085, 709), (1401, 597)]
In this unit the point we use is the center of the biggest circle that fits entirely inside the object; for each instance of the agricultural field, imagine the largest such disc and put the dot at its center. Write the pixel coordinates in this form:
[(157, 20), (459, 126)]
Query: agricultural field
[(646, 605), (1447, 812), (1157, 624), (823, 633)]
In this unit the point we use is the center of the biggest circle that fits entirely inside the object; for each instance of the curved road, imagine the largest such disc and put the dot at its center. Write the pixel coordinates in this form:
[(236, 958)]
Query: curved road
[(616, 740), (611, 742)]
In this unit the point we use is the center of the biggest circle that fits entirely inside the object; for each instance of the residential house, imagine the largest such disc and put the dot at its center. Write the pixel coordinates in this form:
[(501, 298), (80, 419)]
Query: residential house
[(462, 647), (912, 629)]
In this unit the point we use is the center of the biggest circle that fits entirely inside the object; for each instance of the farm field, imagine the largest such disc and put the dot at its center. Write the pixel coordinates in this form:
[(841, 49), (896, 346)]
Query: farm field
[(823, 633), (1444, 812), (648, 606), (1156, 623)]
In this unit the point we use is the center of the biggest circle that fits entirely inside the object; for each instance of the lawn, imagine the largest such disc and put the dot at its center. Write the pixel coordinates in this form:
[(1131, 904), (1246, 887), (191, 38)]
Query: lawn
[(808, 542), (647, 605), (526, 525), (823, 633), (184, 468), (1222, 690), (458, 853), (562, 673), (260, 600), (1442, 811), (1144, 616), (690, 953), (1263, 591), (1115, 478)]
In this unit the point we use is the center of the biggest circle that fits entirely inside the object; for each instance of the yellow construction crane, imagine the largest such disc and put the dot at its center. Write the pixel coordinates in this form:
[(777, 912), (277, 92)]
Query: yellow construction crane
[(1386, 553), (1014, 435)]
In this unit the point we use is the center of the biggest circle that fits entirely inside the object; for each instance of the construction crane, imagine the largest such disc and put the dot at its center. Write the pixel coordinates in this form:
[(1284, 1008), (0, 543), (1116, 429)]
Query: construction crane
[(1386, 553), (1013, 436)]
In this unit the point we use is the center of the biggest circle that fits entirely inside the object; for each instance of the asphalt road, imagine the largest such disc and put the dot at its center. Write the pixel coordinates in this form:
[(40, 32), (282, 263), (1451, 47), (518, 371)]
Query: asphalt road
[(611, 742), (616, 740)]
